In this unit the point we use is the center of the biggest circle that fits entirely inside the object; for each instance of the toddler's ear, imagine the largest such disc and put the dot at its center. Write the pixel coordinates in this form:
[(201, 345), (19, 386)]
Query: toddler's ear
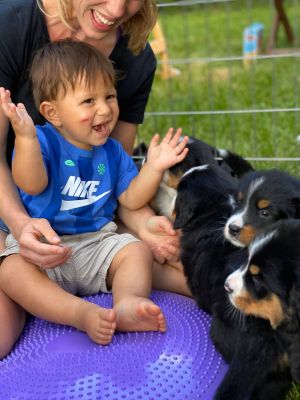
[(48, 110)]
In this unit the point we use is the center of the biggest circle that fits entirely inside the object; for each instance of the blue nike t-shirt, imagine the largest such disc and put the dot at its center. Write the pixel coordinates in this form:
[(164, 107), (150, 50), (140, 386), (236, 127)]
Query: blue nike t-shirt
[(83, 185)]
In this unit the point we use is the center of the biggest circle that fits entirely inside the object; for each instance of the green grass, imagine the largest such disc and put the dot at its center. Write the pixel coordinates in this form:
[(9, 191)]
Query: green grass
[(294, 393), (216, 31)]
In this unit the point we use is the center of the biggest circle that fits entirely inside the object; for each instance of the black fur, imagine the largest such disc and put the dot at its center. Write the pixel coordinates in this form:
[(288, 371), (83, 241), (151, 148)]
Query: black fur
[(201, 153), (262, 356), (205, 199)]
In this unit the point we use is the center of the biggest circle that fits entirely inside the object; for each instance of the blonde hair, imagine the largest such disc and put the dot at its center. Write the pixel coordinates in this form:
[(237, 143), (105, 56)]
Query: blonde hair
[(138, 27), (60, 65)]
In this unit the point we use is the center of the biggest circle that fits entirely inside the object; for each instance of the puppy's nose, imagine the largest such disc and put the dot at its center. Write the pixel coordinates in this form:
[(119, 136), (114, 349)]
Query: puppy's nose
[(234, 229), (227, 287)]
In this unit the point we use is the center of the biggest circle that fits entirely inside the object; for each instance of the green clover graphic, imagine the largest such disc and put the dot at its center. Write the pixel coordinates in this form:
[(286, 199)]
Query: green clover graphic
[(101, 169)]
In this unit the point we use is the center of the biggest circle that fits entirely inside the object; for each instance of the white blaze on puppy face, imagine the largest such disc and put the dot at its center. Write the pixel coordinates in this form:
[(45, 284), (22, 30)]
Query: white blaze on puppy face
[(198, 168), (260, 241), (238, 219)]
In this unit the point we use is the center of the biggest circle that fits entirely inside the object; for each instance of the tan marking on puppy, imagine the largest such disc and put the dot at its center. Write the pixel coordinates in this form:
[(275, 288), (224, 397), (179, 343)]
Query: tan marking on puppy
[(269, 308), (240, 196), (247, 234), (173, 216), (263, 203), (254, 269), (173, 180), (283, 361)]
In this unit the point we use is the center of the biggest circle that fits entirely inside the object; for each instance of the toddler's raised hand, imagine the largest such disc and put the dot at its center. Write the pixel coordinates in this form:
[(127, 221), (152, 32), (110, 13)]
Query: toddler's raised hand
[(170, 151), (21, 121)]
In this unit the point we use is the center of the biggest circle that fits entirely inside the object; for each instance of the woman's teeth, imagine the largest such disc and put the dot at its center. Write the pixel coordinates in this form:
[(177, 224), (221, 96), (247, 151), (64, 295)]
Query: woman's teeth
[(101, 19)]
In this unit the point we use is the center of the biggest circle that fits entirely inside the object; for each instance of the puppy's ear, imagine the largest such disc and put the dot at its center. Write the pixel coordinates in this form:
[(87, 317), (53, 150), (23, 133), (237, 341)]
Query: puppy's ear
[(183, 210)]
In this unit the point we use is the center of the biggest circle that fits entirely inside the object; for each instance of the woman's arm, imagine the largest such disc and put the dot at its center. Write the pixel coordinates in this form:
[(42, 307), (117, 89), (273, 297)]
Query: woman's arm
[(125, 133)]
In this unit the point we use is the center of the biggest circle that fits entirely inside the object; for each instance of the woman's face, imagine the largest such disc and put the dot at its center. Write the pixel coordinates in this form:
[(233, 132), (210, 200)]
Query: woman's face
[(99, 17)]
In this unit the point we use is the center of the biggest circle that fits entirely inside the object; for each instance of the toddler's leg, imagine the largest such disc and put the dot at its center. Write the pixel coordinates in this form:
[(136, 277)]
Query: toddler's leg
[(130, 277), (170, 278), (26, 284)]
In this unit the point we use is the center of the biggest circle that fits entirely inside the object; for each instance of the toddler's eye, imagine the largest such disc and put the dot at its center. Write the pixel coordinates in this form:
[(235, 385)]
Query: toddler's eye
[(111, 96), (88, 101)]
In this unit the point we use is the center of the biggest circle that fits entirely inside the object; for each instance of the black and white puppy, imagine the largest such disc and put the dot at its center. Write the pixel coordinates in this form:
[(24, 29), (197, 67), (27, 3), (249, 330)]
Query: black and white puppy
[(200, 153), (264, 197), (265, 333), (261, 340), (205, 200)]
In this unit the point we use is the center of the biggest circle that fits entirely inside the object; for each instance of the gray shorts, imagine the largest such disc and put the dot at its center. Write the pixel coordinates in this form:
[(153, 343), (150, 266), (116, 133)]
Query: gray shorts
[(85, 272)]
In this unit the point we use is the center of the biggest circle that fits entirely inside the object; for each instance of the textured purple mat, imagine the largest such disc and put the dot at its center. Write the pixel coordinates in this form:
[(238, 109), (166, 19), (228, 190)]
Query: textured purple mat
[(53, 362)]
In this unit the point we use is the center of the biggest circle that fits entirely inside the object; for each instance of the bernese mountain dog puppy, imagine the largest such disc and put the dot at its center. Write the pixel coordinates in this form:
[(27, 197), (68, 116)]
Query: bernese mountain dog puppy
[(264, 197), (262, 318), (205, 200), (261, 343), (200, 153)]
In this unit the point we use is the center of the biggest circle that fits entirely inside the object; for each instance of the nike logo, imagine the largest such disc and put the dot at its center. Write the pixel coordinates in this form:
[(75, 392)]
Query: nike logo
[(71, 204)]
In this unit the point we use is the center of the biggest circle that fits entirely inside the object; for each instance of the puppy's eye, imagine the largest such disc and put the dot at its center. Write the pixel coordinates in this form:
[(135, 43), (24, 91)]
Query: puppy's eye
[(254, 270), (264, 213)]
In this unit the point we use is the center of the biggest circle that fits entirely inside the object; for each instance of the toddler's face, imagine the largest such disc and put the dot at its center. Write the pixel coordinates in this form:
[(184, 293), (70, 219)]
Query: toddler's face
[(87, 116)]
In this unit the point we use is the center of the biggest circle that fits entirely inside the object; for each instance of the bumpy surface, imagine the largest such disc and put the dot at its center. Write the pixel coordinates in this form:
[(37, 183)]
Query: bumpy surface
[(53, 362)]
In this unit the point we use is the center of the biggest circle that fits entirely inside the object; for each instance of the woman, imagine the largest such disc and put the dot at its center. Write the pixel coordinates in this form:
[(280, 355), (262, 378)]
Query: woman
[(119, 29)]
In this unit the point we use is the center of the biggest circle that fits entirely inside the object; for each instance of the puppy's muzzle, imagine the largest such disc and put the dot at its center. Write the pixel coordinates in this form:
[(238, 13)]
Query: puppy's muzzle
[(228, 287)]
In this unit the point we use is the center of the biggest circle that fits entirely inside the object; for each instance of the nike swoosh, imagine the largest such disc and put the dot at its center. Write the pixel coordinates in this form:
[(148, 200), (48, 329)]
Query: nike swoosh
[(70, 204)]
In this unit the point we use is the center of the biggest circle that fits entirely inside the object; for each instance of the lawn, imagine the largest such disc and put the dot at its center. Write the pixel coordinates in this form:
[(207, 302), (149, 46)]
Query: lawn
[(200, 32), (226, 87)]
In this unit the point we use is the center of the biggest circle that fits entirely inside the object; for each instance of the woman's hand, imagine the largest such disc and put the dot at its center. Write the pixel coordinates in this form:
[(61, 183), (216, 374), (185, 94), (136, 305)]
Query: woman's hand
[(40, 245)]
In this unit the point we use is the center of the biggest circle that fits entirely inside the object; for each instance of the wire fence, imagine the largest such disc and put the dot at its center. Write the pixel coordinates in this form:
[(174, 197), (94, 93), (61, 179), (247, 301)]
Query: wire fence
[(243, 99)]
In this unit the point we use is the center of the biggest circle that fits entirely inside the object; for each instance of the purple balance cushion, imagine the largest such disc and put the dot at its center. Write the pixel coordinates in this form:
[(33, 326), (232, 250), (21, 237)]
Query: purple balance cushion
[(54, 362)]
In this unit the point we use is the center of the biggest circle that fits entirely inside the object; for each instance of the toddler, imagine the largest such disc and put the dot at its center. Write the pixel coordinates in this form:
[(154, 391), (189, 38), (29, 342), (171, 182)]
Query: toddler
[(70, 172)]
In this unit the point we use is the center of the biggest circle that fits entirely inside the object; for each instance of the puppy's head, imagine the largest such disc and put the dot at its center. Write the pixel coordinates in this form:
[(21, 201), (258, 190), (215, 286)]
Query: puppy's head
[(264, 197), (264, 285), (200, 153), (204, 193)]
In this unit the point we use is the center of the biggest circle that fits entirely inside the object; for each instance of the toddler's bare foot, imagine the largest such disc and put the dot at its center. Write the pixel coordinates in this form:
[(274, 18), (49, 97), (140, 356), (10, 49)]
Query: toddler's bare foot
[(139, 314), (99, 323)]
